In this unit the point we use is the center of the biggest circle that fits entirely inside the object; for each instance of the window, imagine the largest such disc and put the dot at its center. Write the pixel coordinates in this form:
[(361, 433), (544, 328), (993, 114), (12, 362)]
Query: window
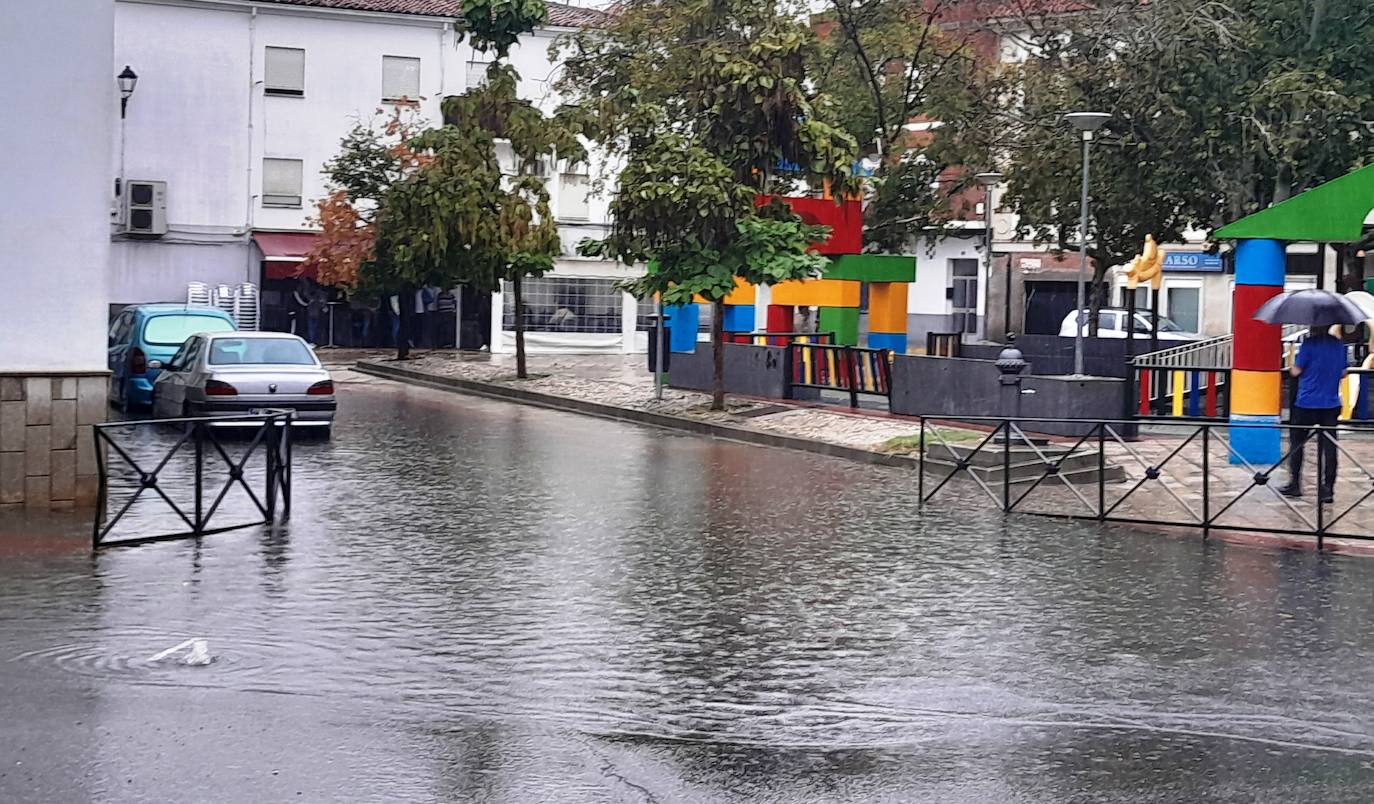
[(281, 182), (400, 78), (964, 294), (284, 71), (260, 351), (1185, 307), (572, 193), (171, 330), (477, 73), (1142, 297), (555, 304)]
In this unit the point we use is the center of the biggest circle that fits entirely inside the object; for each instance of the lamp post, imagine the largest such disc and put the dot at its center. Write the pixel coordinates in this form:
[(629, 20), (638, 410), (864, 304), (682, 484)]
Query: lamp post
[(1086, 123), (988, 181), (127, 79)]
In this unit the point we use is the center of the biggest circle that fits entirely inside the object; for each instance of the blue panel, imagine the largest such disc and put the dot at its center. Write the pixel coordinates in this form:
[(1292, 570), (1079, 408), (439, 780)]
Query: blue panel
[(888, 340), (739, 318), (1259, 442), (683, 322), (1260, 262)]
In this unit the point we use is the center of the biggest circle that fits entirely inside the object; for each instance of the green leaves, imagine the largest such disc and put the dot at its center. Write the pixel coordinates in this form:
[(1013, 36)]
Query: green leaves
[(496, 25)]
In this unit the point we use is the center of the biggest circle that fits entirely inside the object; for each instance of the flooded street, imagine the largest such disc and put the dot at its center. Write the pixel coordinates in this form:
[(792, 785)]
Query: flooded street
[(476, 601)]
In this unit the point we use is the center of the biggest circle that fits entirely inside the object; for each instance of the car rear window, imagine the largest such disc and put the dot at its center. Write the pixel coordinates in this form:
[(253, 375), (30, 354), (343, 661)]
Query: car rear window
[(173, 330), (260, 351)]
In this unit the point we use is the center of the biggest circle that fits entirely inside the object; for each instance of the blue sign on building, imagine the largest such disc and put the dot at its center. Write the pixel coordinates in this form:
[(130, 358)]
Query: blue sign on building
[(1192, 261)]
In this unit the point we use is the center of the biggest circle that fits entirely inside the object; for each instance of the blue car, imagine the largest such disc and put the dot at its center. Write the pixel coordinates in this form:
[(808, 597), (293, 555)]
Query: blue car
[(145, 336)]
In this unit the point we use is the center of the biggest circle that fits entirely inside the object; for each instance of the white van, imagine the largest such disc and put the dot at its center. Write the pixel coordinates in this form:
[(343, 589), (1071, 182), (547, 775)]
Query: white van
[(1113, 325)]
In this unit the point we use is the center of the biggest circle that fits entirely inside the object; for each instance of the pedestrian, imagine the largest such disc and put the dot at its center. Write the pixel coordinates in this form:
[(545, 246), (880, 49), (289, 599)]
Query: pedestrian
[(1320, 367)]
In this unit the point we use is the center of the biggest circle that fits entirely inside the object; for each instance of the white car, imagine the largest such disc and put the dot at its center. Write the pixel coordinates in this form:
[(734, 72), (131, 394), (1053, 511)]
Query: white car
[(1112, 324), (227, 373)]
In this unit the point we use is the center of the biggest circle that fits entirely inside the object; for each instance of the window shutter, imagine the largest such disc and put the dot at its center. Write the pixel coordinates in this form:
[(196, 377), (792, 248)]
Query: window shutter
[(284, 71), (400, 78)]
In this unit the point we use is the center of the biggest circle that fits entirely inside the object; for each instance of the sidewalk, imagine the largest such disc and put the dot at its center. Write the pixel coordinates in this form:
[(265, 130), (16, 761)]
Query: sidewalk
[(619, 386)]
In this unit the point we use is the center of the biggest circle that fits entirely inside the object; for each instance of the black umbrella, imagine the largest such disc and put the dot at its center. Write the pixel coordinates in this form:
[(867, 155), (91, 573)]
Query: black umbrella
[(1317, 308)]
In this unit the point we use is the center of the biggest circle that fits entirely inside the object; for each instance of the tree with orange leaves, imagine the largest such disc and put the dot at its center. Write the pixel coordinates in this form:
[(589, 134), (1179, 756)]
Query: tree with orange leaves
[(371, 159)]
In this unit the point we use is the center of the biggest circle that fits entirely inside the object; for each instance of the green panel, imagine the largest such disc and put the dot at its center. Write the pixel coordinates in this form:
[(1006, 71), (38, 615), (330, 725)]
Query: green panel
[(872, 268), (1329, 213), (843, 321)]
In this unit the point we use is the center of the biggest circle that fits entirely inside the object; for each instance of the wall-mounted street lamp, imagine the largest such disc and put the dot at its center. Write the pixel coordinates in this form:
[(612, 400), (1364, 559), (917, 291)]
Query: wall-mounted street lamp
[(127, 80)]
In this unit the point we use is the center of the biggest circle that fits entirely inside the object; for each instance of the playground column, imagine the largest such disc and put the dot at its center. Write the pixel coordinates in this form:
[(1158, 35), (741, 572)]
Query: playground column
[(887, 305), (1257, 359), (683, 322)]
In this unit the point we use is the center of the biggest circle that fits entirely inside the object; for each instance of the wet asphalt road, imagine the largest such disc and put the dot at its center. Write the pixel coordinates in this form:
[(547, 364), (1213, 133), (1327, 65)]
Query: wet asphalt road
[(483, 602)]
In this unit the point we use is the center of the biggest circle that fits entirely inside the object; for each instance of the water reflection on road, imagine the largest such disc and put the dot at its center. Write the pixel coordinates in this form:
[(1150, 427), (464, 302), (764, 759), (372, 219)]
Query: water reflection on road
[(483, 602)]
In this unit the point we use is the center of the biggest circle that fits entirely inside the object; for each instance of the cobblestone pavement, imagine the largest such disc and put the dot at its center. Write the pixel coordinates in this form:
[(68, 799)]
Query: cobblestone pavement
[(1163, 469)]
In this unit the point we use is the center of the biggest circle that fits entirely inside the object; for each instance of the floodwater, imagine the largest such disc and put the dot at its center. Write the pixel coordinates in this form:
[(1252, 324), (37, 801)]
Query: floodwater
[(482, 602)]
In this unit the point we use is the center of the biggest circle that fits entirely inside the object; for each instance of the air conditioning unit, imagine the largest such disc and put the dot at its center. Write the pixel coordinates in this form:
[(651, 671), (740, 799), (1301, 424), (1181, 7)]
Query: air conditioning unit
[(145, 208)]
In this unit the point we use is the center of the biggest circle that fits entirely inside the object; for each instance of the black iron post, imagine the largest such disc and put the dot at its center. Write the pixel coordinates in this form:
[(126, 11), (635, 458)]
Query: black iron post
[(1101, 471), (921, 468), (852, 372), (198, 439), (1154, 320), (1206, 481), (1321, 479), (1006, 466)]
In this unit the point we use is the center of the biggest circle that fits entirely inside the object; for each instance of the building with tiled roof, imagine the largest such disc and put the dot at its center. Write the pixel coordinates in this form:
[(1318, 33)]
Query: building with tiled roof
[(560, 15)]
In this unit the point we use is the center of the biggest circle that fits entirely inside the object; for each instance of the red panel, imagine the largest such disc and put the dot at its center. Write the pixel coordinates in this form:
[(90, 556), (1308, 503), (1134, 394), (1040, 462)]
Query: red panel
[(845, 219), (284, 244), (1258, 346), (780, 318)]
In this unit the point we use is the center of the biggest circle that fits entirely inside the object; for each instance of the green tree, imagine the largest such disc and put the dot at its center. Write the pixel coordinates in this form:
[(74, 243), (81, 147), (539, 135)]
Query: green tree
[(460, 219), (896, 62), (710, 106)]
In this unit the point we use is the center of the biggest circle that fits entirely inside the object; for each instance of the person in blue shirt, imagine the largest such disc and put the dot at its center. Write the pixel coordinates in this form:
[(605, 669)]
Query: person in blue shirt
[(1320, 366)]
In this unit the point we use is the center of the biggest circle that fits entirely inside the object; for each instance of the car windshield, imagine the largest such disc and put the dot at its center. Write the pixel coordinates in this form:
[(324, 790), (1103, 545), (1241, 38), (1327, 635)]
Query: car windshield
[(260, 351), (1142, 324), (173, 330)]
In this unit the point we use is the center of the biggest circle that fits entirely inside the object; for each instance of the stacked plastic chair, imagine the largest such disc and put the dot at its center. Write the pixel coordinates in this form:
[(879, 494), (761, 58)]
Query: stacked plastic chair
[(198, 294), (247, 309)]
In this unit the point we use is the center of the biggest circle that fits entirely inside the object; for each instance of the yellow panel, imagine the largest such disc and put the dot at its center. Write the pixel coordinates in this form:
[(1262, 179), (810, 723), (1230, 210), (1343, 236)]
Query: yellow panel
[(817, 293), (1180, 388), (1255, 393), (887, 307), (743, 294)]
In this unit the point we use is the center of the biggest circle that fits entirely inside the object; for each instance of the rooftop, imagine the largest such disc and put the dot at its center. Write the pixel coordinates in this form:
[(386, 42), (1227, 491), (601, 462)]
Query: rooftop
[(559, 14)]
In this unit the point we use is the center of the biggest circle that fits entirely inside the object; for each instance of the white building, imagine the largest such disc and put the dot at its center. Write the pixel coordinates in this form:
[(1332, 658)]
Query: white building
[(241, 102), (54, 224)]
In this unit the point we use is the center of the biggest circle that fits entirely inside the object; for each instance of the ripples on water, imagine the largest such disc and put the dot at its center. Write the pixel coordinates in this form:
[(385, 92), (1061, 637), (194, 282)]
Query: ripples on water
[(729, 622)]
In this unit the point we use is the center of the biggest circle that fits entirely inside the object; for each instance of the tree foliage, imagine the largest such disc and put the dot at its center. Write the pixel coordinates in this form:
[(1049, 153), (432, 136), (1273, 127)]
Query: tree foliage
[(461, 219), (896, 62), (709, 105)]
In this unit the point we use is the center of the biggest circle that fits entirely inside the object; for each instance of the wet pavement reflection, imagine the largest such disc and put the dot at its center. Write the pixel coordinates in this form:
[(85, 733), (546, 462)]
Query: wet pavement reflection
[(483, 602)]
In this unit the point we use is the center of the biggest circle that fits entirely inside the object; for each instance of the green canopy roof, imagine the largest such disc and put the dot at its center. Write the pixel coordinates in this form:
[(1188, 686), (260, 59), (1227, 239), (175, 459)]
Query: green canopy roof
[(1330, 213)]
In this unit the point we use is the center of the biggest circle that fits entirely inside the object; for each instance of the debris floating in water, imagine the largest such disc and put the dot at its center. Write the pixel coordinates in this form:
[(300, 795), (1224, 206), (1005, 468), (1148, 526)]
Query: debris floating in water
[(197, 653)]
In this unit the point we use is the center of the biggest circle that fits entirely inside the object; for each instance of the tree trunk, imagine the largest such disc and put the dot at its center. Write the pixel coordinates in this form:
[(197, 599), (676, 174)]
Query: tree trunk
[(718, 355), (520, 371), (405, 310)]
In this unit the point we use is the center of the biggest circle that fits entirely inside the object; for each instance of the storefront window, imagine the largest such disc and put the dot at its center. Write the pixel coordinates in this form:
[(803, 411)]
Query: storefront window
[(556, 304)]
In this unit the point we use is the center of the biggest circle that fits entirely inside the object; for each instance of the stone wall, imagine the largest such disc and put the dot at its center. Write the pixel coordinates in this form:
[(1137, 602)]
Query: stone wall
[(47, 450)]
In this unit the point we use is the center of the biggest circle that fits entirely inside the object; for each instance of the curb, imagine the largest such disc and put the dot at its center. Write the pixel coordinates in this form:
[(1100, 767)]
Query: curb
[(616, 413)]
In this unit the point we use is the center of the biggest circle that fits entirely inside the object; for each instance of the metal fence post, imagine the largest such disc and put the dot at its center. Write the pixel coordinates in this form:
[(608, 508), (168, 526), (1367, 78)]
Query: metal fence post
[(1101, 471), (102, 486), (1321, 478), (1006, 467), (272, 443), (198, 439), (921, 467), (1206, 481), (852, 375)]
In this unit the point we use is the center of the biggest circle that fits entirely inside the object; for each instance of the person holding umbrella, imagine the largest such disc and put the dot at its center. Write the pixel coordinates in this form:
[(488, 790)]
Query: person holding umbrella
[(1319, 368)]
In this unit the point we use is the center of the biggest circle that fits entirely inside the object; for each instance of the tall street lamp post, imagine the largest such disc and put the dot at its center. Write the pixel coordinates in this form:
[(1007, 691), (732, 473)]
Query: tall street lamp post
[(1086, 123), (127, 79), (988, 181)]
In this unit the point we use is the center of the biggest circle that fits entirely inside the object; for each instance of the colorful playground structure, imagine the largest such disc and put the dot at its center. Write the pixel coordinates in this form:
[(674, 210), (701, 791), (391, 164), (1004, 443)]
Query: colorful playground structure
[(837, 295)]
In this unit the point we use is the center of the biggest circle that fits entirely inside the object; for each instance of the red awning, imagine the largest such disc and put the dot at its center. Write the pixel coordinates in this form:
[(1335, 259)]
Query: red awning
[(283, 251)]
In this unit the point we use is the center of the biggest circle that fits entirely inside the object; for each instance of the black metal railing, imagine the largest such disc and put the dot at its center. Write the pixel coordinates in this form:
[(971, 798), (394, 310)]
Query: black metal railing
[(841, 368), (156, 469), (1187, 475)]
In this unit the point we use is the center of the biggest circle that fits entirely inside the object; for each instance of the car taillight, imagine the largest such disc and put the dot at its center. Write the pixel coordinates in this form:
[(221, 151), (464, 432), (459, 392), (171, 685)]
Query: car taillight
[(138, 362), (218, 388), (322, 388)]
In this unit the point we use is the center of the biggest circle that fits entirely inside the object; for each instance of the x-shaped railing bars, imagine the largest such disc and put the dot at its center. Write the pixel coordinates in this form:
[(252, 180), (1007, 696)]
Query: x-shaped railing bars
[(1258, 479), (1153, 471), (274, 434), (146, 480), (1326, 434), (961, 463), (1052, 468)]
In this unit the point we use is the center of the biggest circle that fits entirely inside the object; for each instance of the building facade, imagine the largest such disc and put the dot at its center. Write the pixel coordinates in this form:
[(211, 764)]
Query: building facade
[(55, 226), (241, 102)]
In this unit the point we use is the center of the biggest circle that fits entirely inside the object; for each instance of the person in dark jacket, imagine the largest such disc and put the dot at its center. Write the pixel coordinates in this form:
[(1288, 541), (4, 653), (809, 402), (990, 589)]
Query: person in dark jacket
[(1320, 366)]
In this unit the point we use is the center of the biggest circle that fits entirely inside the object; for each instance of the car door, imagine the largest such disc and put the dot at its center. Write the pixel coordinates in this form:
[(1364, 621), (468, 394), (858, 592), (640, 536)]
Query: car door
[(171, 383), (121, 332)]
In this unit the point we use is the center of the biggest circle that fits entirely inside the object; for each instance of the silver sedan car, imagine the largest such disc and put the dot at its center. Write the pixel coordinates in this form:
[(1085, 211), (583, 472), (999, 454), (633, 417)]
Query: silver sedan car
[(223, 373)]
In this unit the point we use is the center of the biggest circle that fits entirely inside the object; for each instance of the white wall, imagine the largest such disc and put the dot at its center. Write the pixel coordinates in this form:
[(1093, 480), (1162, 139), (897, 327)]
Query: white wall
[(54, 222), (927, 295)]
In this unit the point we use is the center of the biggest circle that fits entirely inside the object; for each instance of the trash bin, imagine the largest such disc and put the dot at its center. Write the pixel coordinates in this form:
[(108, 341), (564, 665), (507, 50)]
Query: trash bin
[(657, 321)]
